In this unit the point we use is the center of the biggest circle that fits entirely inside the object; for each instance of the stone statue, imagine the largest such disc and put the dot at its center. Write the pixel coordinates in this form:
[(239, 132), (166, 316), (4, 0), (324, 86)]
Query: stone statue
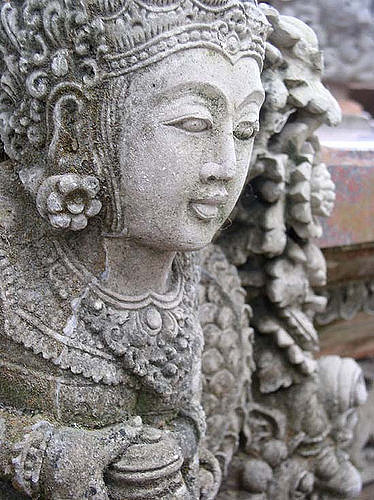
[(128, 368)]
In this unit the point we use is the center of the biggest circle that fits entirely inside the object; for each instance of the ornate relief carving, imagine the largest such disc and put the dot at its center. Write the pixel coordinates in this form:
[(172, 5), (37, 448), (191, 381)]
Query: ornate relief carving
[(362, 445), (295, 440), (102, 349), (345, 32), (346, 300)]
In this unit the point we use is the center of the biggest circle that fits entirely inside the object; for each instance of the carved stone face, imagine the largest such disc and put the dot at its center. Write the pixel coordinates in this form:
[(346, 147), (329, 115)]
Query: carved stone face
[(187, 133)]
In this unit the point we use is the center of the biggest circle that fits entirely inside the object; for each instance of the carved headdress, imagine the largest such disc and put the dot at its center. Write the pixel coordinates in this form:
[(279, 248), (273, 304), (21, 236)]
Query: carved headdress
[(56, 54), (46, 44)]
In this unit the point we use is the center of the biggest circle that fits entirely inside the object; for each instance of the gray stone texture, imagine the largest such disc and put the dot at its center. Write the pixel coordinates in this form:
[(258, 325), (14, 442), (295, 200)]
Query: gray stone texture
[(137, 358), (345, 32)]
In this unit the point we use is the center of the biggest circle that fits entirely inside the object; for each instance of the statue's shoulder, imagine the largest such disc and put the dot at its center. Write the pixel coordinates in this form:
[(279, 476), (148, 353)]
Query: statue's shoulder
[(26, 253), (7, 211), (20, 231)]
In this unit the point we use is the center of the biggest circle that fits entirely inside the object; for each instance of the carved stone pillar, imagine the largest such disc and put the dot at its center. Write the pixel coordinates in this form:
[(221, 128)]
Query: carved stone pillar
[(345, 31)]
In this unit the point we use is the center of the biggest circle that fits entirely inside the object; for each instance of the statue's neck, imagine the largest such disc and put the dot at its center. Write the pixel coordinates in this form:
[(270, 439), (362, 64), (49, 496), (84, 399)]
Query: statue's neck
[(132, 269), (119, 264)]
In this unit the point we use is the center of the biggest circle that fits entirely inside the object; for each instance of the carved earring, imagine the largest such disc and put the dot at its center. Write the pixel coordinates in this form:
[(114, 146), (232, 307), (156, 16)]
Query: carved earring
[(69, 200)]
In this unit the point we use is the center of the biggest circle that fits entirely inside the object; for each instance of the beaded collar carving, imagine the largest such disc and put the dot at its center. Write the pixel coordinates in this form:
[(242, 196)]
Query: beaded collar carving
[(150, 335), (169, 300)]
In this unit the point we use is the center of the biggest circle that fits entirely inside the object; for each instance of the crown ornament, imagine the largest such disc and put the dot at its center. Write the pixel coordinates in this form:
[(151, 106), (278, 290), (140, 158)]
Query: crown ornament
[(48, 45), (142, 32)]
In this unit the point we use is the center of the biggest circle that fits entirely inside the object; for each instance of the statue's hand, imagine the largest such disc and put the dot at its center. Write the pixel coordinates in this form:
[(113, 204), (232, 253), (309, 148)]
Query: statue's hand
[(155, 449), (151, 468), (76, 459)]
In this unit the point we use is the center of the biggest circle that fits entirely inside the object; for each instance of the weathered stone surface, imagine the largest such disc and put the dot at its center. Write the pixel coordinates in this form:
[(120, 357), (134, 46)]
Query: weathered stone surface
[(346, 326), (129, 368), (362, 446), (346, 34)]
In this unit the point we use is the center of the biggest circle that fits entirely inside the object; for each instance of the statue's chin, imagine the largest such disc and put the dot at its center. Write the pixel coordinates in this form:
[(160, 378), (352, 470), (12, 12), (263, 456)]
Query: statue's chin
[(187, 242)]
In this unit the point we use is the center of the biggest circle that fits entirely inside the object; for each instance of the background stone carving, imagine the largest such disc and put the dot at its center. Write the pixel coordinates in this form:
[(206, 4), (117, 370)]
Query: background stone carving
[(363, 443), (345, 31), (294, 441), (346, 300)]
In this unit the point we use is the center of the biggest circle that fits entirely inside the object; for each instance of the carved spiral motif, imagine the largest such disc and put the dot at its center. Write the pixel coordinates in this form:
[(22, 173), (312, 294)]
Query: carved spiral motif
[(43, 45), (161, 3), (214, 3)]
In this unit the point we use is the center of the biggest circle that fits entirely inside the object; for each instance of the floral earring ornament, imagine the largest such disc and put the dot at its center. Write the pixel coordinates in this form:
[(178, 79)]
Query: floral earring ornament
[(69, 200)]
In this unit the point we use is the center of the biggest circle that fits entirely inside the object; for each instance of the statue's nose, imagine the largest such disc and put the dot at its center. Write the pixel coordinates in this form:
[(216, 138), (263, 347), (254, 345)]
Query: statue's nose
[(212, 171), (224, 166)]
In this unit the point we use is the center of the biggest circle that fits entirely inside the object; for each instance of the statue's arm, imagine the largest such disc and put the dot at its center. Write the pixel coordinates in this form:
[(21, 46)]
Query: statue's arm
[(43, 458)]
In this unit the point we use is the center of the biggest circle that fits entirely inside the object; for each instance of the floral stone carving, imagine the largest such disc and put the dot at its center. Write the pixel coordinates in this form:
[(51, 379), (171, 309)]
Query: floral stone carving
[(138, 359)]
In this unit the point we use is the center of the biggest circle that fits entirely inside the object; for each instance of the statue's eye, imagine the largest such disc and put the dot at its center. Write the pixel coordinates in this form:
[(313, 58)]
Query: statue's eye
[(246, 130), (192, 124)]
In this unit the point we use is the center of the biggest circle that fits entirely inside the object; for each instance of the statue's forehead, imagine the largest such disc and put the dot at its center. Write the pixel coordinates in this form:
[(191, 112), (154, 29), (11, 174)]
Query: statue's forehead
[(201, 72)]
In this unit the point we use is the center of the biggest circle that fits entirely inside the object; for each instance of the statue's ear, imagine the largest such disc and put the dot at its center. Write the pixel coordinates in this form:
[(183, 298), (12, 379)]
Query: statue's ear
[(68, 195), (67, 133)]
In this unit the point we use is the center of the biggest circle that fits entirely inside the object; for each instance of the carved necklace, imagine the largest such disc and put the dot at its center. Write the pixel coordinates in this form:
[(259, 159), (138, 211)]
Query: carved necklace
[(151, 335)]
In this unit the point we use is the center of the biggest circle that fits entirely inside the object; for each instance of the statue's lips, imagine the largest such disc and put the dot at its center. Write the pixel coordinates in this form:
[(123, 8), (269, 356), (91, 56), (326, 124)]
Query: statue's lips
[(208, 208)]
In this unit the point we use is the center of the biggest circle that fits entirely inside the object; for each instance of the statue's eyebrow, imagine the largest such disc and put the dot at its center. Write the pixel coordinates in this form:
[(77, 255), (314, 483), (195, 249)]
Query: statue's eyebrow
[(203, 90), (257, 96)]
